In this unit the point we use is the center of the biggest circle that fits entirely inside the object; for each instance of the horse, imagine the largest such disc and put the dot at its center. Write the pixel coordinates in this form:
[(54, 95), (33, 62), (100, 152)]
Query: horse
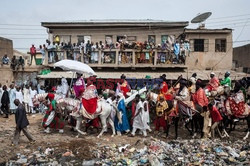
[(234, 108), (177, 110), (78, 111)]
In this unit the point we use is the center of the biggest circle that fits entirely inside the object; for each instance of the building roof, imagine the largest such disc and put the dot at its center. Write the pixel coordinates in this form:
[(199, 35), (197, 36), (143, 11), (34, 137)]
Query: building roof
[(2, 38), (204, 75), (116, 22), (204, 30)]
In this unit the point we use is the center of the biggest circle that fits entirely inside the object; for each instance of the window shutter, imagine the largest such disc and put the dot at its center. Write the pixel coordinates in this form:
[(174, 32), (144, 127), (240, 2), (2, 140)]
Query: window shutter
[(191, 43), (206, 43)]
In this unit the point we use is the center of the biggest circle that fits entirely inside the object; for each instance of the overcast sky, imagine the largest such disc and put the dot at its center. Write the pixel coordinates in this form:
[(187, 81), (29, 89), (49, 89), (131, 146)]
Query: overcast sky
[(21, 19)]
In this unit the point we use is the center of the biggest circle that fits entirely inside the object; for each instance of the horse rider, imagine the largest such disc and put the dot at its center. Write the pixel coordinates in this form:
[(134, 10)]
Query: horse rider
[(227, 83)]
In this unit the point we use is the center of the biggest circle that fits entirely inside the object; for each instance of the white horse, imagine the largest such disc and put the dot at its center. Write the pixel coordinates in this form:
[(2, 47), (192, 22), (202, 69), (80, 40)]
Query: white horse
[(78, 111)]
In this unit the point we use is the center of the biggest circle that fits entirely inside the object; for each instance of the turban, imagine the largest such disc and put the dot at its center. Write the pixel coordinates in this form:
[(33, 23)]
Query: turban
[(51, 96)]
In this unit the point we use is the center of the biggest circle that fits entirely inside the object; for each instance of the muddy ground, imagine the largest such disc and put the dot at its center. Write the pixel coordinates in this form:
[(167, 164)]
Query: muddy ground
[(81, 147)]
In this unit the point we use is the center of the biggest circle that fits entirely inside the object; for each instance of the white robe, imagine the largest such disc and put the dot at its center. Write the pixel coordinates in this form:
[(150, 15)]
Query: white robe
[(12, 96), (146, 114), (138, 121), (26, 95), (32, 95), (19, 96)]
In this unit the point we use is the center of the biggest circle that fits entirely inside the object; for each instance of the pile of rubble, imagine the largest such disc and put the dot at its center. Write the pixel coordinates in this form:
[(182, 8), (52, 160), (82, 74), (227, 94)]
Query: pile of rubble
[(146, 152)]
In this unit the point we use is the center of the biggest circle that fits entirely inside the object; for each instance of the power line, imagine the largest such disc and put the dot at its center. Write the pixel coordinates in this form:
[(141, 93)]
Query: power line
[(229, 16), (21, 25), (233, 21), (23, 34), (21, 29)]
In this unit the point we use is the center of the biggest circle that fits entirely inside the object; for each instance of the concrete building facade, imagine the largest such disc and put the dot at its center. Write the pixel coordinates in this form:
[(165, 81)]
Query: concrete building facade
[(6, 47), (211, 49), (241, 58)]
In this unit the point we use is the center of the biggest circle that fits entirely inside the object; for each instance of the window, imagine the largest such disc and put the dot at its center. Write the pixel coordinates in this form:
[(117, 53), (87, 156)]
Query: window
[(151, 39), (64, 38), (131, 38), (164, 38), (120, 38), (199, 45), (109, 39), (220, 45), (85, 39)]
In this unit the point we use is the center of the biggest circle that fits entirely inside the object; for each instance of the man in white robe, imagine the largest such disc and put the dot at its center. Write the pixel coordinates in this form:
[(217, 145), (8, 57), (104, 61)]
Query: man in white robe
[(26, 98), (12, 96), (138, 121), (33, 92), (19, 95)]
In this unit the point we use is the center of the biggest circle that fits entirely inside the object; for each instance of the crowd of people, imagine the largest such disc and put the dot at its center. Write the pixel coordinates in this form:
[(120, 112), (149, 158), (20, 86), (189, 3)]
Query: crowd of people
[(170, 50), (138, 114)]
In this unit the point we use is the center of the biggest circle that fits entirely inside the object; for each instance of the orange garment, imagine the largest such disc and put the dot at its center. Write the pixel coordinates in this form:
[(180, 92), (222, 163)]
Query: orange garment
[(200, 97), (213, 84)]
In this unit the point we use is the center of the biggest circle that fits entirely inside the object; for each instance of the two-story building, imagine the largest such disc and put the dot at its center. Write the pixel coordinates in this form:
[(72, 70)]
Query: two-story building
[(208, 49)]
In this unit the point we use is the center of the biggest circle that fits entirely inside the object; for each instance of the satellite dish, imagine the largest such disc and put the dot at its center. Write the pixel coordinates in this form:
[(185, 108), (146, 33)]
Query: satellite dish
[(201, 17)]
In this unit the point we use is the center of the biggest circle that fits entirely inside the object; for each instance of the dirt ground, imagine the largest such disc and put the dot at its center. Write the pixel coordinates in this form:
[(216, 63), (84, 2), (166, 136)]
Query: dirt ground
[(82, 146)]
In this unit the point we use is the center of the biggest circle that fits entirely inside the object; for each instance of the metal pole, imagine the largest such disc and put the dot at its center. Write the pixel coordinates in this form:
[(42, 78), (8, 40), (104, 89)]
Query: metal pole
[(71, 82)]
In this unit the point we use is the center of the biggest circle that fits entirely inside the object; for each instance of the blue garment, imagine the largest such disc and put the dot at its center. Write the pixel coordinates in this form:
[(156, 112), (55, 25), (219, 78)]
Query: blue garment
[(125, 125), (177, 50)]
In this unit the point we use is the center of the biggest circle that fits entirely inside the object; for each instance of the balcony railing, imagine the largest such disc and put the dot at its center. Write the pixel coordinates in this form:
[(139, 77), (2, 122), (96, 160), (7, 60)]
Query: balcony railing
[(116, 58)]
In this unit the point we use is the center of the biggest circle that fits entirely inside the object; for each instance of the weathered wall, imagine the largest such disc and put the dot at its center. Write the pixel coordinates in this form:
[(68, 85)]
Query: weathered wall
[(211, 59), (6, 47), (241, 55)]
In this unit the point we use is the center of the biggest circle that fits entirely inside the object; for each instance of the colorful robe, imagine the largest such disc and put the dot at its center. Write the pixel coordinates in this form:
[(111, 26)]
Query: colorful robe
[(124, 126), (89, 99), (57, 122)]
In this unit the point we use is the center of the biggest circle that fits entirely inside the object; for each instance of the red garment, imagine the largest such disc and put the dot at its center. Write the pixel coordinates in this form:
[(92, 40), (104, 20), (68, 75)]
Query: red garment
[(213, 84), (133, 111), (164, 91), (160, 122), (51, 96), (94, 123), (90, 105), (215, 115), (125, 88), (200, 97), (164, 88), (32, 50), (237, 109)]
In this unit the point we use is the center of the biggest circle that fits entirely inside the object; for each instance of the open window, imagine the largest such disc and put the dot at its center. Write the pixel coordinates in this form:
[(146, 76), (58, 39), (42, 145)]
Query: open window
[(199, 45), (220, 45)]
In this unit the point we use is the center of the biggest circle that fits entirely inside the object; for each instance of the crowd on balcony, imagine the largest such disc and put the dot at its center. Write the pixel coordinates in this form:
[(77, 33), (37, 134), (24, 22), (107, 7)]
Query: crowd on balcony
[(169, 51)]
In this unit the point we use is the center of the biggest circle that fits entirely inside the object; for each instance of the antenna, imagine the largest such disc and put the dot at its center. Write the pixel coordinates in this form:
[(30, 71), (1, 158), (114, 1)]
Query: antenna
[(201, 18)]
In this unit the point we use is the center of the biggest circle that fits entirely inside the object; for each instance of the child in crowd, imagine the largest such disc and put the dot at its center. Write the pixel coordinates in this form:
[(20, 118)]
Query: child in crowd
[(207, 123)]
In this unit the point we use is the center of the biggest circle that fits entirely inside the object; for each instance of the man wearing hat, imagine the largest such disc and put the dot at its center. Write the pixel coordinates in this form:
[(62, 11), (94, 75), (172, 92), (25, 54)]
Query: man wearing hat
[(121, 124), (79, 85), (213, 83), (227, 83), (51, 119), (124, 87), (139, 121)]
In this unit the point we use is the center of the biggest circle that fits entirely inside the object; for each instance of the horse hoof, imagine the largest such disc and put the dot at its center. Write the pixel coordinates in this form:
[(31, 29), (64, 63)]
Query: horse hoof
[(112, 135), (98, 136), (244, 138)]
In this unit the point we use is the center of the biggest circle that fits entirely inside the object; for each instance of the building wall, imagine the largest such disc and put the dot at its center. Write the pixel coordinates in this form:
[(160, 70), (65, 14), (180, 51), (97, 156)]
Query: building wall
[(99, 34), (6, 47), (241, 57), (196, 60), (211, 59)]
